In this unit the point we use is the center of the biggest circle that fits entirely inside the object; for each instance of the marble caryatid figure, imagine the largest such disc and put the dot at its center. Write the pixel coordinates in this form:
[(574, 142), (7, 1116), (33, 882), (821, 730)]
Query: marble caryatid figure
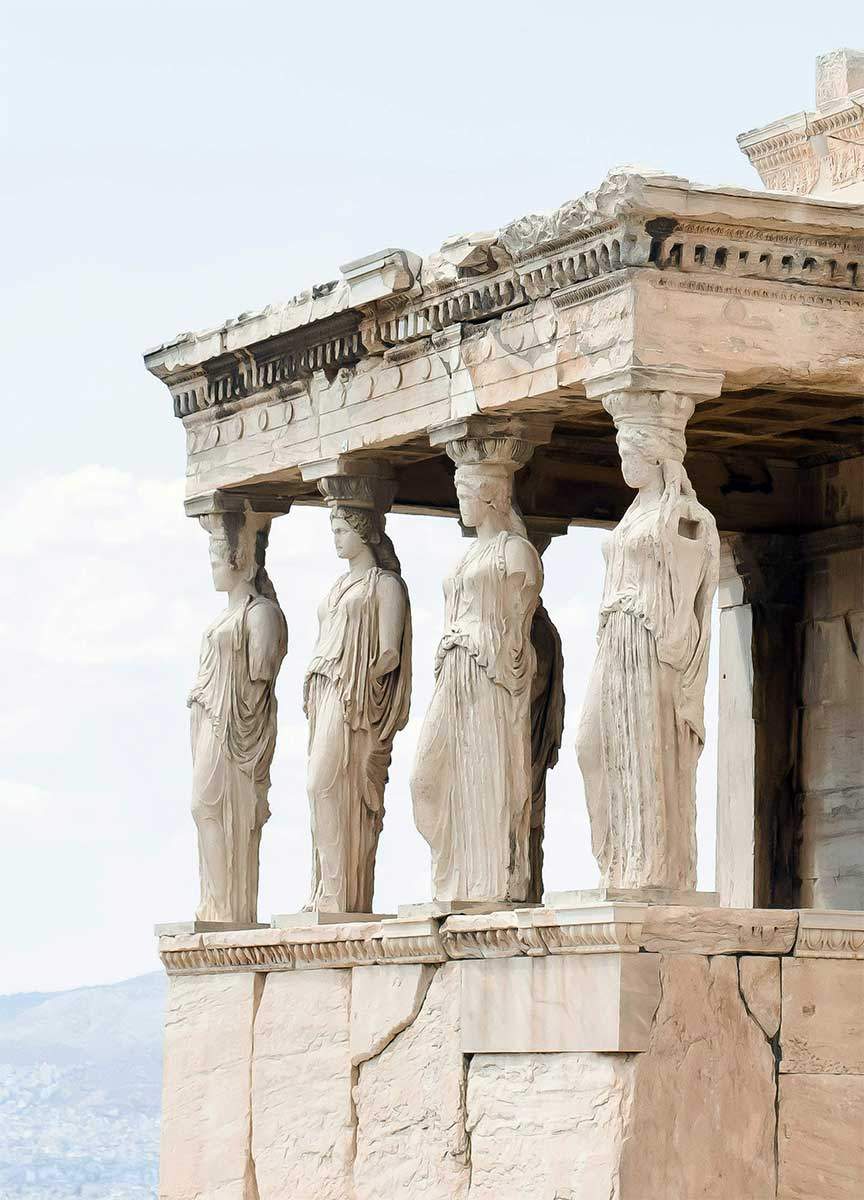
[(472, 778), (547, 720), (642, 728), (233, 718), (357, 694)]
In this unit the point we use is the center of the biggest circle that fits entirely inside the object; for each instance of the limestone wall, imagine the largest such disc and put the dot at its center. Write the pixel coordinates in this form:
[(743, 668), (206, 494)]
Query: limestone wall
[(354, 1082), (831, 765)]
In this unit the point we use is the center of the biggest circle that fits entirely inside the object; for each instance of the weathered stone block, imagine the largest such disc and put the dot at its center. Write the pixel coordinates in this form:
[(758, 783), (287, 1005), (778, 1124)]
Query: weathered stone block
[(547, 1125), (832, 848), (302, 1115), (832, 741), (384, 1001), (702, 1119), (821, 1137), (411, 1138), (205, 1151), (823, 1017), (759, 978), (835, 584), (831, 670), (593, 1002), (719, 930)]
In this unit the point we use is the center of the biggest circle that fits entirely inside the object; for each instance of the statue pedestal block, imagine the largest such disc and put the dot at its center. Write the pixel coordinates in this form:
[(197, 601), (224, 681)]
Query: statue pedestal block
[(645, 895), (309, 920), (451, 908), (180, 928)]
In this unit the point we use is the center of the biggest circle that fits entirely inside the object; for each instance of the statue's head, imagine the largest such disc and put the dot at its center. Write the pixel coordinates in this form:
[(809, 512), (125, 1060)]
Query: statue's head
[(647, 449), (238, 548), (481, 487), (356, 528)]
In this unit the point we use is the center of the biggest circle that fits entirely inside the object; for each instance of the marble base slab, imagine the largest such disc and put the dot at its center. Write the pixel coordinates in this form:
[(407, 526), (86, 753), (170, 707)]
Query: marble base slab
[(600, 1003), (647, 895), (310, 920), (179, 928), (451, 908)]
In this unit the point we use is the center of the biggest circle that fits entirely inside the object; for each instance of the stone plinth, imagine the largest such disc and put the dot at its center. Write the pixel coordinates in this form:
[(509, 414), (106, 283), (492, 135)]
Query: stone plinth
[(615, 1052)]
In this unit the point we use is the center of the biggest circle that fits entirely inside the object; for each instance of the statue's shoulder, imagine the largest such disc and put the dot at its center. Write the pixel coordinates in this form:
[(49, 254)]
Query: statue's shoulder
[(520, 556), (389, 583), (264, 616)]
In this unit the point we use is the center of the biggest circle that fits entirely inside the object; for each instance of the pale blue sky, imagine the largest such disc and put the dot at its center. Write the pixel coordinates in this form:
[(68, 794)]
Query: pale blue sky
[(171, 164)]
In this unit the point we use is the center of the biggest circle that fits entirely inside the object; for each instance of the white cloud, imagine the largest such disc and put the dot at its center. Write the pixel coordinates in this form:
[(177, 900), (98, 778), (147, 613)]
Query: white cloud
[(99, 564)]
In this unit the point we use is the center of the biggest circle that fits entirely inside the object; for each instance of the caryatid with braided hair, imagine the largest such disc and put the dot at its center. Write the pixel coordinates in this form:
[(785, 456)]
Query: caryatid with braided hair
[(357, 693), (642, 727), (233, 718)]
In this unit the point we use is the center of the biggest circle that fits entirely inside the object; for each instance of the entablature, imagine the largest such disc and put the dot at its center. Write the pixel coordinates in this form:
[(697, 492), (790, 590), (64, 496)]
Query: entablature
[(648, 270)]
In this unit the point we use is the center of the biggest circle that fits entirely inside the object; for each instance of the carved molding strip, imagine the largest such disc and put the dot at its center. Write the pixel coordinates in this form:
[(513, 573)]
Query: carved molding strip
[(593, 289), (830, 943), (596, 938), (251, 373), (512, 942), (210, 959), (826, 934), (812, 297)]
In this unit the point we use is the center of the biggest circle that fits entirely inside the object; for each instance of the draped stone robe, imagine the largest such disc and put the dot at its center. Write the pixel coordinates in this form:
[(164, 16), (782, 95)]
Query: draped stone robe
[(353, 719), (642, 728), (472, 777), (233, 728)]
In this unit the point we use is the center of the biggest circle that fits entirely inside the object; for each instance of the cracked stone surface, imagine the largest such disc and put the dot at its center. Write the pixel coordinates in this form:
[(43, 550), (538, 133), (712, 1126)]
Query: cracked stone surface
[(302, 1113), (823, 1017), (703, 1115), (384, 1001), (205, 1090), (548, 1125), (760, 985), (411, 1138)]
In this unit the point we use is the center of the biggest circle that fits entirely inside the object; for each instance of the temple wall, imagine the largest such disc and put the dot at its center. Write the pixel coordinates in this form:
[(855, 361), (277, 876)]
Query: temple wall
[(790, 816), (831, 761), (358, 1083)]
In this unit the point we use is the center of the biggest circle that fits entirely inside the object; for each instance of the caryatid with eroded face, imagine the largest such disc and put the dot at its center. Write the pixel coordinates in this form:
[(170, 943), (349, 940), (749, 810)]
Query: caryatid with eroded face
[(642, 727), (357, 695), (233, 718), (472, 779)]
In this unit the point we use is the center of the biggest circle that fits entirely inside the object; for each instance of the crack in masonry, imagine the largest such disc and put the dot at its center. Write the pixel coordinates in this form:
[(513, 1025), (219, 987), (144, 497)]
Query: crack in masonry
[(250, 1188), (352, 1090), (355, 1068), (402, 1026), (467, 1059), (774, 1047)]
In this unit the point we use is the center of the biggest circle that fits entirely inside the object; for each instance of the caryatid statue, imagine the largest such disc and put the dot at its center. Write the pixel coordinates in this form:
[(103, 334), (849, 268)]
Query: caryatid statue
[(642, 727), (357, 694), (547, 714), (233, 718), (472, 779)]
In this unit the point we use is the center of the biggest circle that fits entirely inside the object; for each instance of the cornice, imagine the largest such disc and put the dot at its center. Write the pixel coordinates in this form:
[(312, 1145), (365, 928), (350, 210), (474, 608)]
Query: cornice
[(602, 928)]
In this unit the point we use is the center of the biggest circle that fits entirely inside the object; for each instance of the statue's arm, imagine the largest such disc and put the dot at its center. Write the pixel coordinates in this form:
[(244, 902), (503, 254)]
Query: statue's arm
[(690, 534), (391, 624), (521, 559), (265, 628)]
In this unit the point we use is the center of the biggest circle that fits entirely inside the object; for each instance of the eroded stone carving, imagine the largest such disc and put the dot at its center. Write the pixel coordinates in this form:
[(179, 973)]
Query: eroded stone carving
[(357, 694), (233, 718), (471, 784), (642, 727)]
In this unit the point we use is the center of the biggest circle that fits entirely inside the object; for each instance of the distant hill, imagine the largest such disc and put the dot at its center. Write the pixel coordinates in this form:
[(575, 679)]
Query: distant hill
[(80, 1076)]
